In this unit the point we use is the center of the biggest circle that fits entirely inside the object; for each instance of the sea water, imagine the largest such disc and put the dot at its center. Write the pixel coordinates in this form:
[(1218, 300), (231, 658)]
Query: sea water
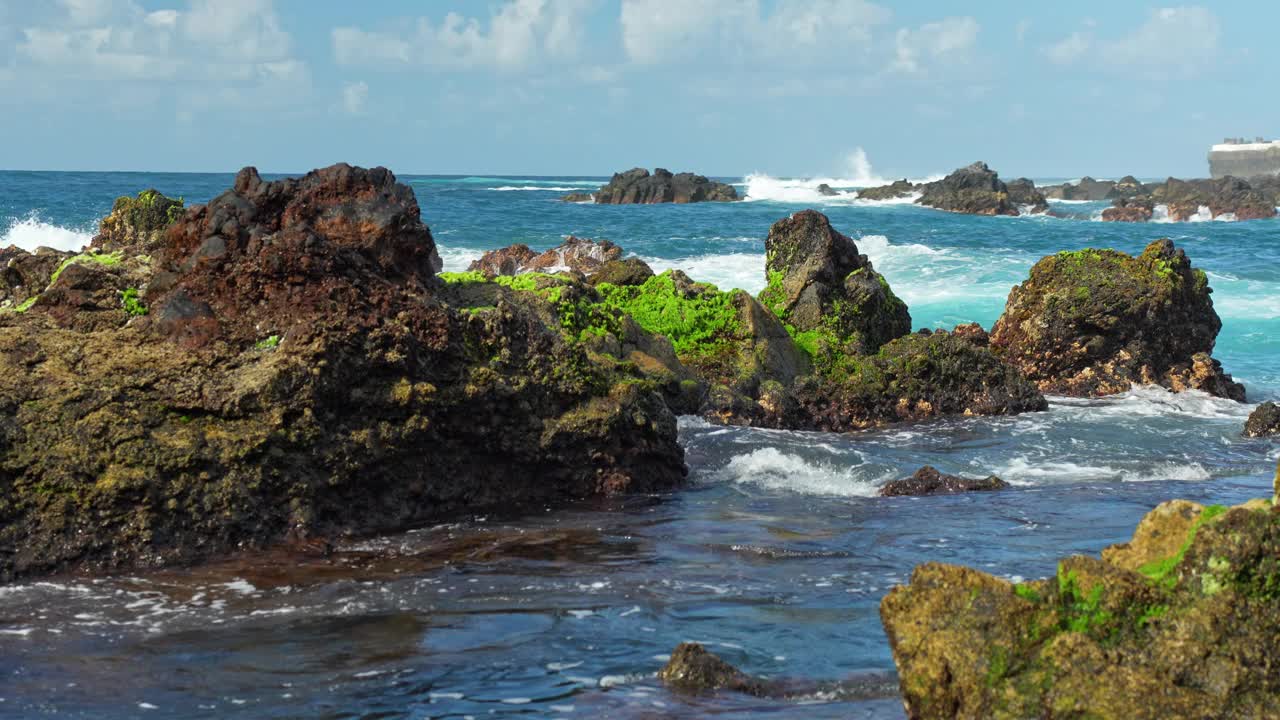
[(776, 556)]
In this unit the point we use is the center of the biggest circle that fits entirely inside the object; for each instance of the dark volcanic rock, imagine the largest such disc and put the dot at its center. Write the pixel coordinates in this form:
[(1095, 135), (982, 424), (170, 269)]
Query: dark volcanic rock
[(575, 254), (1087, 189), (894, 190), (826, 191), (1176, 623), (818, 283), (631, 271), (23, 275), (578, 197), (1138, 209), (1127, 187), (974, 190), (299, 379), (1024, 194), (1096, 322), (137, 224), (638, 186), (1264, 421), (928, 481)]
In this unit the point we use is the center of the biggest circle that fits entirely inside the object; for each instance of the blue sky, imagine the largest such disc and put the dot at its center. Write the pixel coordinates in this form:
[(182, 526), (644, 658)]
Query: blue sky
[(722, 87)]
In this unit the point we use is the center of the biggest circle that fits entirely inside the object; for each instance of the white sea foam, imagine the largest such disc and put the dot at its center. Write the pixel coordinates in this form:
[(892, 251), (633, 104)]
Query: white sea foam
[(1152, 401), (457, 259), (31, 232), (775, 470), (858, 174), (744, 271), (538, 188), (1024, 470)]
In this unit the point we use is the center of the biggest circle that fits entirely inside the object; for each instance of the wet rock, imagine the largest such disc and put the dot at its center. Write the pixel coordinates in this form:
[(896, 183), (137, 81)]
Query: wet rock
[(574, 254), (928, 481), (1186, 199), (826, 191), (1096, 322), (896, 189), (1127, 187), (638, 186), (1175, 623), (1023, 193), (578, 197), (693, 669), (631, 271), (1130, 210), (1087, 189), (305, 382), (1264, 421), (820, 285), (974, 190)]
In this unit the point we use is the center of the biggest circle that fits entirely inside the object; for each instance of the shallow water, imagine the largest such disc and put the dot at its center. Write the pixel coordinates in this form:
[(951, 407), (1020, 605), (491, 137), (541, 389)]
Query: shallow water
[(776, 556)]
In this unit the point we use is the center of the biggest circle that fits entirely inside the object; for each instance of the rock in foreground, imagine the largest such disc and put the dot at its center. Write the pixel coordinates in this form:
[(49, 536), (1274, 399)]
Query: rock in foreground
[(1182, 622), (1264, 421), (928, 481), (297, 378), (1096, 322), (637, 186)]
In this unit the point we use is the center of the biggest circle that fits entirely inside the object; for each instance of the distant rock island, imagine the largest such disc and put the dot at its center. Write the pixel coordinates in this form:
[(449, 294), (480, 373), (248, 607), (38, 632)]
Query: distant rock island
[(1133, 201), (973, 190), (638, 187)]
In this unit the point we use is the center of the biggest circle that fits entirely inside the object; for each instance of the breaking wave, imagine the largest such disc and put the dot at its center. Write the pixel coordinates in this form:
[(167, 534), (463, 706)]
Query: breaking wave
[(31, 232)]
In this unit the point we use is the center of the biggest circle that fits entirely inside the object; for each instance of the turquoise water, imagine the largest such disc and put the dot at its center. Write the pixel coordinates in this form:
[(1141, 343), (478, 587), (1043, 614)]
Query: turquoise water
[(777, 555)]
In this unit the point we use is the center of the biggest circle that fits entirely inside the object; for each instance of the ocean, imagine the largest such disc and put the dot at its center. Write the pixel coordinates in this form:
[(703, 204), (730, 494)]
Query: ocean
[(776, 556)]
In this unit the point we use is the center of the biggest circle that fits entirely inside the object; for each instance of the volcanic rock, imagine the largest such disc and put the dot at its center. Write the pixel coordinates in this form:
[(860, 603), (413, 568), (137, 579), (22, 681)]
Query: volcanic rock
[(1023, 193), (637, 186), (574, 254), (894, 190), (693, 669), (1264, 421), (1137, 209), (928, 481), (974, 190)]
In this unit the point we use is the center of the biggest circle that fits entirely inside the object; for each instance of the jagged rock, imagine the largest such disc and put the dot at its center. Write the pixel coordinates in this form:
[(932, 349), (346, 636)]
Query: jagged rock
[(1023, 193), (1127, 187), (826, 191), (299, 379), (822, 287), (916, 377), (638, 186), (575, 254), (693, 669), (137, 225), (928, 481), (896, 189), (1179, 622), (1096, 322), (1264, 421), (975, 190), (578, 197), (1185, 199), (631, 271), (1137, 209), (24, 275)]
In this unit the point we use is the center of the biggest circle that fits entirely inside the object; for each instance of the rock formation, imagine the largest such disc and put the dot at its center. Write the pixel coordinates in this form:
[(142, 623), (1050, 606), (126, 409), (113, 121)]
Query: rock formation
[(1136, 209), (1185, 199), (978, 190), (290, 373), (638, 186), (1179, 622), (1023, 193), (693, 669), (896, 189), (1264, 421), (826, 190), (928, 481), (578, 197), (1096, 322), (575, 254)]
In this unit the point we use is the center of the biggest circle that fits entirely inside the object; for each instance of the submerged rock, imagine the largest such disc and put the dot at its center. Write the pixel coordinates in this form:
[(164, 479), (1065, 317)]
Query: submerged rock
[(638, 186), (574, 254), (578, 197), (693, 669), (1179, 622), (896, 189), (1096, 322), (298, 378), (978, 190), (1264, 421), (928, 481), (830, 294)]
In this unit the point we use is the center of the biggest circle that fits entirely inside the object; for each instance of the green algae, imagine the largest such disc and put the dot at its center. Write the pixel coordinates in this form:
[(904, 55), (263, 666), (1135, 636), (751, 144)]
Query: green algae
[(132, 302), (1160, 572), (104, 259), (697, 323)]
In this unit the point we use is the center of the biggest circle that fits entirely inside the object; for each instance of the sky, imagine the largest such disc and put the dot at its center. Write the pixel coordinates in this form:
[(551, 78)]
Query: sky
[(589, 87)]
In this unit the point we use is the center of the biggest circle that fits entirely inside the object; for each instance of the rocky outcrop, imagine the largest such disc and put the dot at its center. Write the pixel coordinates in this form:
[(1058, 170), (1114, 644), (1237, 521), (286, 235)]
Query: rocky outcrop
[(830, 294), (1138, 209), (896, 189), (137, 224), (1023, 193), (1264, 421), (631, 271), (1178, 622), (978, 190), (928, 481), (574, 254), (1096, 322), (298, 377), (693, 669), (24, 274), (826, 190), (637, 186), (1127, 187), (1187, 199), (1087, 189), (578, 197)]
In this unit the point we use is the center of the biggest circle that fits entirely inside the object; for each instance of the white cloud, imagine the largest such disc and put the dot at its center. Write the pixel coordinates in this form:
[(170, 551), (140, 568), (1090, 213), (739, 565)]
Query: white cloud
[(354, 96), (518, 34), (1185, 38), (950, 38), (661, 31)]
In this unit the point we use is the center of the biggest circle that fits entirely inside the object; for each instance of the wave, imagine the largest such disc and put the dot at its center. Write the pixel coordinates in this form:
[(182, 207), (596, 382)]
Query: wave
[(1154, 401), (457, 259), (773, 469), (1022, 470), (859, 174), (31, 232), (536, 188), (744, 271)]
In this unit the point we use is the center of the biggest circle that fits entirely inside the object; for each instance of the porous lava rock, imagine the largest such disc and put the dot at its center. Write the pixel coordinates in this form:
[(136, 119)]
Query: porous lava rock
[(1264, 421)]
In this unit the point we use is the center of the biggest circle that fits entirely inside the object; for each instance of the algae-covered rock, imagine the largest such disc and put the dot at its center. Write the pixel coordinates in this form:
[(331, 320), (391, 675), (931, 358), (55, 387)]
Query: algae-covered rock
[(631, 271), (298, 379), (1264, 421), (693, 669), (830, 295), (1182, 621), (917, 377), (24, 275), (1096, 322), (137, 225), (928, 481)]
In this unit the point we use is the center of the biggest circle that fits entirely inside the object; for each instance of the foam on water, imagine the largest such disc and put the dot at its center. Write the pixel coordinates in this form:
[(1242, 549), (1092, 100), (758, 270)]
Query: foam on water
[(773, 469), (859, 174), (32, 232), (536, 188), (1153, 401), (457, 259), (744, 271), (1025, 470)]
